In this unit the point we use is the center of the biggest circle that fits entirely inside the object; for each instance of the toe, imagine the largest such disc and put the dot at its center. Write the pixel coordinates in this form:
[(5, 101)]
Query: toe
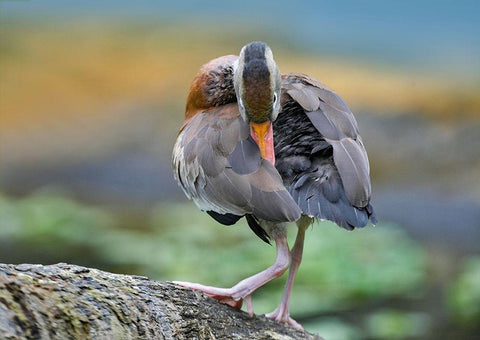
[(282, 316), (294, 323), (229, 296), (248, 300), (272, 315), (229, 301)]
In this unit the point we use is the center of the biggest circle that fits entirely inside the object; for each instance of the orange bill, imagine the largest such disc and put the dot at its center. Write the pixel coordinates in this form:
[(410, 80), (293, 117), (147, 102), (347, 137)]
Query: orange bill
[(262, 134)]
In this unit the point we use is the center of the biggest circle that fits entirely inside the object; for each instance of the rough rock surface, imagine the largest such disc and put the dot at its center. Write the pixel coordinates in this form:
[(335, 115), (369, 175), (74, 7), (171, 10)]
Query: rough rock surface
[(65, 301)]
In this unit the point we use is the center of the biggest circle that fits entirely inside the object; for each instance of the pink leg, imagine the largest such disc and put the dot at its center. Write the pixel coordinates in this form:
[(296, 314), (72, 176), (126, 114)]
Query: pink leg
[(243, 290), (282, 314)]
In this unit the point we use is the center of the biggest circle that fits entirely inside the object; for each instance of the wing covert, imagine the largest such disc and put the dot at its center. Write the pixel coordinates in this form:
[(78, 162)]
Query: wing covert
[(332, 117), (219, 166)]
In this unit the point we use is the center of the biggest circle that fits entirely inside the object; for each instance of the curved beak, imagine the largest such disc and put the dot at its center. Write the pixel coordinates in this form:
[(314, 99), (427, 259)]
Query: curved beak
[(262, 134)]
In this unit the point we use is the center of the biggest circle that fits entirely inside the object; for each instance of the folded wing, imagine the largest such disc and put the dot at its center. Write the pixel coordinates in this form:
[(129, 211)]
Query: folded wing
[(320, 154), (218, 165)]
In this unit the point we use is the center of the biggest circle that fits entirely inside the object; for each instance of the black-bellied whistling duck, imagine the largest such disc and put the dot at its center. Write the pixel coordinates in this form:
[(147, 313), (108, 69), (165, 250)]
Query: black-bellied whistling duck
[(272, 149)]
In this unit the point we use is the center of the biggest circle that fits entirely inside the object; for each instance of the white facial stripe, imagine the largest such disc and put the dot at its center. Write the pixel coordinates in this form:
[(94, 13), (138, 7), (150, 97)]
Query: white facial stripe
[(269, 56), (274, 81), (238, 83), (272, 66), (235, 66)]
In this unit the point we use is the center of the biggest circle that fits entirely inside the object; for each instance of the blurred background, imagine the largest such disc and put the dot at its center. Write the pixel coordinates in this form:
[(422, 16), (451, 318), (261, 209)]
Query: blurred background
[(92, 95)]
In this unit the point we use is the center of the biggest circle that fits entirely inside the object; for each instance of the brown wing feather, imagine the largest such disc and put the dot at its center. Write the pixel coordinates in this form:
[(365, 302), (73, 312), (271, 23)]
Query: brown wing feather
[(332, 117)]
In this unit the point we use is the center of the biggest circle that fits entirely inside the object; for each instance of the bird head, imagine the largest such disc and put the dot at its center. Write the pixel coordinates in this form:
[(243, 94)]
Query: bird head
[(257, 82)]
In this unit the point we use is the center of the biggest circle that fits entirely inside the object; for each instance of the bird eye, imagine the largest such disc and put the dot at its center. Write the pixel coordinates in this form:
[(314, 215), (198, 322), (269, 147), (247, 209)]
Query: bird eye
[(274, 98)]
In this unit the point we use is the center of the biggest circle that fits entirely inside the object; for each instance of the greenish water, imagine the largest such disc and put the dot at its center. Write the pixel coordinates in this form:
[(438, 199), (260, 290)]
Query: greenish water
[(370, 283)]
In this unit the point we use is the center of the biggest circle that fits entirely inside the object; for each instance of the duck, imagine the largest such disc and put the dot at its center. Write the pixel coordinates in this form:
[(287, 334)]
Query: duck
[(272, 149)]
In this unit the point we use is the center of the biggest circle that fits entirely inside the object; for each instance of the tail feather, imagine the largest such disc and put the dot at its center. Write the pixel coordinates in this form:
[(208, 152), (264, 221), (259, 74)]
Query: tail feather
[(257, 229), (225, 219)]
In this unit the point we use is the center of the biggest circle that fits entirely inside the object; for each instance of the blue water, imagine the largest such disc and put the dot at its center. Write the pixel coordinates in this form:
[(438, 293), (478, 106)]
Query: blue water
[(442, 35)]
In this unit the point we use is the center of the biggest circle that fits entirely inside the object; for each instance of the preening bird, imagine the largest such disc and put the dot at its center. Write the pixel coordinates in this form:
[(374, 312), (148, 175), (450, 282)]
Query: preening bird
[(274, 149)]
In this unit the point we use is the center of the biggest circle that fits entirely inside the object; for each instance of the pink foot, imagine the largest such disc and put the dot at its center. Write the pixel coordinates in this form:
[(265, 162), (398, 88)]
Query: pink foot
[(243, 290), (230, 296), (282, 315)]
